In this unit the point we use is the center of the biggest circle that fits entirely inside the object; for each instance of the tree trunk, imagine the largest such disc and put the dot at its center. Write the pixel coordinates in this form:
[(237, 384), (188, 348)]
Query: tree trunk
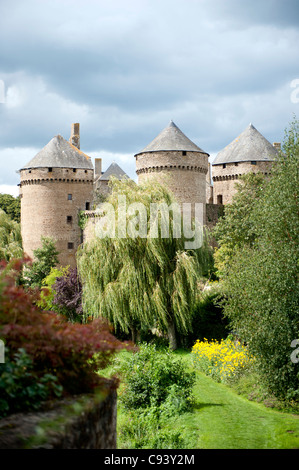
[(136, 335), (172, 335)]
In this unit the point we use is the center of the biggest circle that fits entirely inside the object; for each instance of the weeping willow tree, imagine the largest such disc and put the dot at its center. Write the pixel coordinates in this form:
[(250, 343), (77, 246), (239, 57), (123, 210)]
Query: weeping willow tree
[(10, 238), (140, 275)]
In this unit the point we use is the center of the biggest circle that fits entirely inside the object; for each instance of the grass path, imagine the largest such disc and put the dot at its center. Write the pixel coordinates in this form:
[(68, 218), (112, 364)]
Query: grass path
[(224, 420)]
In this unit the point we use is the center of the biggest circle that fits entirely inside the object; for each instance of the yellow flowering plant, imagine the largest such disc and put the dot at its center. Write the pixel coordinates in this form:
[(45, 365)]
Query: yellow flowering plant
[(222, 360)]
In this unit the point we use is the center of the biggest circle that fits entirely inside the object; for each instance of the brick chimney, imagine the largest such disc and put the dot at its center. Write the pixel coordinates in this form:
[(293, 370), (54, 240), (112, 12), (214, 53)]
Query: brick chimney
[(97, 167), (75, 135)]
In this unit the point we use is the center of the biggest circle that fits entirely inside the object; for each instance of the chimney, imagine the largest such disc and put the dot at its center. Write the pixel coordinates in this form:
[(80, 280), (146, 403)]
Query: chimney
[(97, 167), (277, 145), (75, 135)]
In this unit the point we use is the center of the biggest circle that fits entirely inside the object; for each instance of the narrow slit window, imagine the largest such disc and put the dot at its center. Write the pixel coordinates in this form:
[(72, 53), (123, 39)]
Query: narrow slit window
[(69, 219), (70, 245), (87, 206), (219, 199), (70, 197)]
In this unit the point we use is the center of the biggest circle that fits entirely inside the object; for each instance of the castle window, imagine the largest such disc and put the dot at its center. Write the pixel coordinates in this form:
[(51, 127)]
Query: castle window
[(50, 170), (69, 219), (236, 164), (70, 197), (184, 153), (253, 163), (70, 245), (224, 165), (87, 206), (74, 170), (219, 199), (85, 171)]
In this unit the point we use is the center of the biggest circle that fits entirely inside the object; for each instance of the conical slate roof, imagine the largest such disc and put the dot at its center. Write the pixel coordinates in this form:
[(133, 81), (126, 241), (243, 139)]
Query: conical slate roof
[(59, 153), (171, 138), (113, 170), (250, 145)]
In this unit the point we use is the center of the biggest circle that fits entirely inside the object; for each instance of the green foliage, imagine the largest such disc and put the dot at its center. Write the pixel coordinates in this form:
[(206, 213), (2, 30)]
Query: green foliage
[(21, 389), (155, 388), (237, 227), (155, 379), (74, 353), (45, 258), (141, 281), (208, 320), (261, 284), (10, 238), (145, 429), (11, 205), (82, 219), (47, 294)]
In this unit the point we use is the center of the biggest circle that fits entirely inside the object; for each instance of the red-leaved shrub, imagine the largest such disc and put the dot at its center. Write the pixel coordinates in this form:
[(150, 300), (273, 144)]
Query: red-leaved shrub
[(74, 353)]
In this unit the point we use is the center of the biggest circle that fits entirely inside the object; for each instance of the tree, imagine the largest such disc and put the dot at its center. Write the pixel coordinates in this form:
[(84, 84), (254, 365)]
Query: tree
[(141, 281), (68, 295), (261, 283), (10, 238), (11, 205), (47, 293), (45, 258), (237, 227)]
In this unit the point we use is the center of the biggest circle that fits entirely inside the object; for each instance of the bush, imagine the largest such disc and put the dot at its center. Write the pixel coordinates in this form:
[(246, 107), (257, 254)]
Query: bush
[(21, 389), (73, 353), (151, 378), (223, 360)]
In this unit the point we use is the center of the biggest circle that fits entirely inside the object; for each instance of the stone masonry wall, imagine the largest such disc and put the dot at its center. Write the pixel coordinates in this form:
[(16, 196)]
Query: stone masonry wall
[(184, 174), (86, 422), (224, 179), (48, 210)]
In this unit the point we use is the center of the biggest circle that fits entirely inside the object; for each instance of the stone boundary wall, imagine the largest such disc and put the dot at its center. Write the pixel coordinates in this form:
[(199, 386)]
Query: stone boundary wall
[(84, 422)]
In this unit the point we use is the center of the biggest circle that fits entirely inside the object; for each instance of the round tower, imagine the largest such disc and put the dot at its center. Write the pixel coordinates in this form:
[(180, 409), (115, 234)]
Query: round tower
[(174, 159), (55, 186), (250, 152)]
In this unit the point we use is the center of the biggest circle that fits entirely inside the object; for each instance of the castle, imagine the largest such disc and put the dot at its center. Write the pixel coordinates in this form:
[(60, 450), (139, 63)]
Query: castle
[(61, 181)]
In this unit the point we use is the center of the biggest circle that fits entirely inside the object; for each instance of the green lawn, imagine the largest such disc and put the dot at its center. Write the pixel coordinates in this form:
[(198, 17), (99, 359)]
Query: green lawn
[(222, 419)]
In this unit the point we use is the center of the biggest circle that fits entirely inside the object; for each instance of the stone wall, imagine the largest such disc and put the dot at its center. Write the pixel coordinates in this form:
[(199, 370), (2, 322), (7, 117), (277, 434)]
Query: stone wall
[(50, 204), (85, 422), (185, 175), (225, 179)]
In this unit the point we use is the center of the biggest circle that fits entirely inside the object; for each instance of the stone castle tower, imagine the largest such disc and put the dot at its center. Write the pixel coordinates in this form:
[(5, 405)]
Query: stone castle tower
[(54, 186), (175, 160), (250, 152)]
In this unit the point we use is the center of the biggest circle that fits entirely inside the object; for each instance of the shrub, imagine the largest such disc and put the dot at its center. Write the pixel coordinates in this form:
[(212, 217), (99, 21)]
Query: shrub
[(222, 360), (71, 352), (21, 389), (150, 378), (62, 293)]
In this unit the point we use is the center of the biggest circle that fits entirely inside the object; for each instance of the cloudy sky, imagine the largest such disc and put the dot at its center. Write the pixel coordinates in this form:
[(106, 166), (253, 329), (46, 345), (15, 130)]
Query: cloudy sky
[(124, 68)]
